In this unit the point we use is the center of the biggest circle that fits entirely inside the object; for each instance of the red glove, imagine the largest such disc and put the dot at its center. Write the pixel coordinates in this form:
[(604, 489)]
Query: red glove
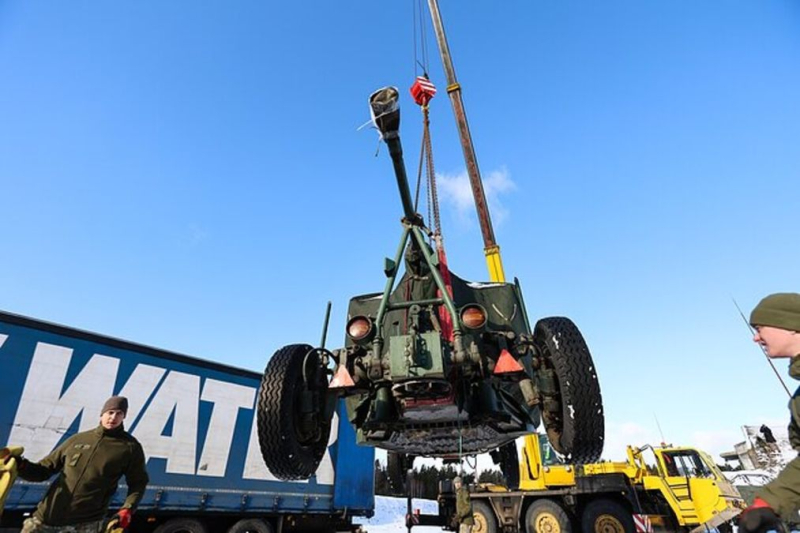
[(759, 518), (124, 516)]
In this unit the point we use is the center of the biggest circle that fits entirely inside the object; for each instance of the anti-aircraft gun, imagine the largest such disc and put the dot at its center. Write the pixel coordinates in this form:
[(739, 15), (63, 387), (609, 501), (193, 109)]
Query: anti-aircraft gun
[(433, 365)]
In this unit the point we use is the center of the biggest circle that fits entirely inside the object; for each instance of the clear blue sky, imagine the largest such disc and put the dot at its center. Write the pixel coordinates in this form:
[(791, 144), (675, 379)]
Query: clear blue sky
[(189, 175)]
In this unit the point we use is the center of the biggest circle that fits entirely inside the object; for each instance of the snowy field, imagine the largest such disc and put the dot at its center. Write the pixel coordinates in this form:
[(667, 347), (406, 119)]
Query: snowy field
[(390, 515)]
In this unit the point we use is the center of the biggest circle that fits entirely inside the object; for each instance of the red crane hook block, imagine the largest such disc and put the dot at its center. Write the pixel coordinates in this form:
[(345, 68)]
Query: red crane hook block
[(423, 90)]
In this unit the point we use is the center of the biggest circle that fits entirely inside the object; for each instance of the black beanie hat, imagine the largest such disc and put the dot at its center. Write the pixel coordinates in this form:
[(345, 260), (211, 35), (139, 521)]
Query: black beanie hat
[(781, 310), (116, 402)]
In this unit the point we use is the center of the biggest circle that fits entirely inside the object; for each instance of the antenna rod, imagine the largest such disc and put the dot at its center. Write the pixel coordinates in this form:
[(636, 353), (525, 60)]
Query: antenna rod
[(663, 440), (763, 350)]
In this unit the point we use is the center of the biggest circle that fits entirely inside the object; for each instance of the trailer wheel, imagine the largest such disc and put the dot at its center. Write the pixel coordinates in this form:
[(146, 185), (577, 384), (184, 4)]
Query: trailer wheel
[(546, 516), (182, 525), (251, 525), (573, 416), (606, 516), (485, 521), (293, 430)]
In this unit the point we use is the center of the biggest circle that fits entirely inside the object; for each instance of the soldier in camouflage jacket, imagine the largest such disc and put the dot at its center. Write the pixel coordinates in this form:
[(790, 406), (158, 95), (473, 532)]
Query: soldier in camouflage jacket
[(89, 465), (776, 320)]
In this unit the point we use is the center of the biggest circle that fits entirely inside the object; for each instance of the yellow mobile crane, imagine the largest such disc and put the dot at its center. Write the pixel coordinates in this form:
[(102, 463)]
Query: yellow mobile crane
[(658, 488)]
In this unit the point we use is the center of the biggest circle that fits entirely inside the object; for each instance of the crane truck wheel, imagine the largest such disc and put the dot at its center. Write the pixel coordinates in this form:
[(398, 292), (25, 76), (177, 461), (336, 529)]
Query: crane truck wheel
[(546, 516), (607, 516), (250, 525), (573, 416), (293, 430), (485, 521), (182, 525)]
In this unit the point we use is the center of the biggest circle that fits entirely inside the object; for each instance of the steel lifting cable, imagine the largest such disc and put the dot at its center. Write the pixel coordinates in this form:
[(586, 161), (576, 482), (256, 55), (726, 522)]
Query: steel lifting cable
[(460, 449), (434, 196), (420, 41), (420, 44), (419, 175), (431, 195)]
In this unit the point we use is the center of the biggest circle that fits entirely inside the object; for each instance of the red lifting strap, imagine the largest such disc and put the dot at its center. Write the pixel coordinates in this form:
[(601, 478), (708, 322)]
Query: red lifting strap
[(422, 90)]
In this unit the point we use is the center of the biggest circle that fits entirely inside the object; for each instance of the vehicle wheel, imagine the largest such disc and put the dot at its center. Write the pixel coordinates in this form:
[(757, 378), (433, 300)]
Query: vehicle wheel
[(573, 416), (395, 473), (507, 458), (250, 525), (182, 525), (397, 466), (607, 516), (485, 521), (546, 516), (293, 430)]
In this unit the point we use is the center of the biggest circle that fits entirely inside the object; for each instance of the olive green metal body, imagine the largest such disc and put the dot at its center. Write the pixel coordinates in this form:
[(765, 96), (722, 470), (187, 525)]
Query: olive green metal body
[(422, 386)]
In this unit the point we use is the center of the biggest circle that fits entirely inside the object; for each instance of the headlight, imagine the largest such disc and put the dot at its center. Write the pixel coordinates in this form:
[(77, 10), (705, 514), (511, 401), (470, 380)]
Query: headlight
[(359, 328), (473, 316)]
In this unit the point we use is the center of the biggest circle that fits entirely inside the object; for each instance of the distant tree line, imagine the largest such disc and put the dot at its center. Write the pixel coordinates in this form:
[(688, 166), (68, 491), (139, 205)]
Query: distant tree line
[(427, 478)]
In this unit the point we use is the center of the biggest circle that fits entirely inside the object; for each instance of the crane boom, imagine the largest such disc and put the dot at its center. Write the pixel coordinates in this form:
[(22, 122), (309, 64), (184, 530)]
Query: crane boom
[(490, 247)]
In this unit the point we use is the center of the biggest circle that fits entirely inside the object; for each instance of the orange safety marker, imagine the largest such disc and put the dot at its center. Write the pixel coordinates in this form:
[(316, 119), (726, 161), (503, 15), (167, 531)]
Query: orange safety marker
[(506, 364), (342, 379)]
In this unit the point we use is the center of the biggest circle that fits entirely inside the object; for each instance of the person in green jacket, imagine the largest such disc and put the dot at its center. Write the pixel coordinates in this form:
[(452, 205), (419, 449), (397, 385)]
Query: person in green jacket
[(463, 507), (89, 465), (776, 320)]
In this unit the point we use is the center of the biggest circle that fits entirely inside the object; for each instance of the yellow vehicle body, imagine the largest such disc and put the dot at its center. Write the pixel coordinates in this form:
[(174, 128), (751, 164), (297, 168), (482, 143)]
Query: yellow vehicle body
[(698, 494)]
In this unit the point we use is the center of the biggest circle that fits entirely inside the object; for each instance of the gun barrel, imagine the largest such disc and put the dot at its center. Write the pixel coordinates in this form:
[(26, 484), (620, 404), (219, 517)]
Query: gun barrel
[(385, 108)]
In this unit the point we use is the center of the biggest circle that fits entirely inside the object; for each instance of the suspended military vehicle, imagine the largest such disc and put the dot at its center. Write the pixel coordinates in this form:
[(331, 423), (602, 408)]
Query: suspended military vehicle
[(431, 367), (434, 365)]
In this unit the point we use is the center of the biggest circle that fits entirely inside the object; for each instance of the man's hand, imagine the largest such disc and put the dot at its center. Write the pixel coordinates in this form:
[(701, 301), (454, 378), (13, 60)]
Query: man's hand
[(9, 452), (759, 518), (120, 520)]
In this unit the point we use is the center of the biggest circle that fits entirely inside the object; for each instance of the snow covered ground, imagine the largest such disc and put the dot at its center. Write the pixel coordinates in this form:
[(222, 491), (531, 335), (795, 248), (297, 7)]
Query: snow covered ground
[(390, 515)]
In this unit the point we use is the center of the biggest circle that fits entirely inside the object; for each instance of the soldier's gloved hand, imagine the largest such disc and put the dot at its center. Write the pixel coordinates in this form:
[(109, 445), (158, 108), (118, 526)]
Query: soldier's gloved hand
[(9, 452), (759, 518), (123, 518)]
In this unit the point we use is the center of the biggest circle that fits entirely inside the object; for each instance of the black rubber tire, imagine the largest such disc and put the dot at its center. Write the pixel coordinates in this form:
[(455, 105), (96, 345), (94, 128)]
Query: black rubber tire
[(485, 520), (581, 423), (287, 452), (607, 516), (546, 516), (396, 472), (251, 525), (397, 467), (725, 527), (182, 525)]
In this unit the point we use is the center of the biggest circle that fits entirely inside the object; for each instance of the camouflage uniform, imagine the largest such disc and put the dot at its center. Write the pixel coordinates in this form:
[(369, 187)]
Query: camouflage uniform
[(89, 465), (464, 510), (783, 494)]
